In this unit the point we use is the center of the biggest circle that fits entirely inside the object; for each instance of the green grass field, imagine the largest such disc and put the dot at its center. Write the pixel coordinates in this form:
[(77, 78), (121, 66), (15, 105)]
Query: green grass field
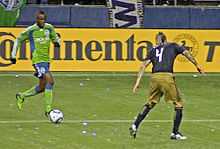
[(108, 105)]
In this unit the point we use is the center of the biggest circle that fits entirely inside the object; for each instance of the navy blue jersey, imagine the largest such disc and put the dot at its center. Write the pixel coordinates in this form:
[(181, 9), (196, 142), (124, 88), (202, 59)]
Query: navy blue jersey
[(163, 57)]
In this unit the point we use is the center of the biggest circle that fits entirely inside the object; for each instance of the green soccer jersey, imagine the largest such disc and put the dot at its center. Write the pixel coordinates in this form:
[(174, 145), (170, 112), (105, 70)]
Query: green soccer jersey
[(40, 39)]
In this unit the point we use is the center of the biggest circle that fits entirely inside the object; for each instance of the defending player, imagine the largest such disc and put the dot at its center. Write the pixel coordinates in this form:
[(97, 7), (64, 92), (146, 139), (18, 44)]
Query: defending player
[(40, 35), (162, 82)]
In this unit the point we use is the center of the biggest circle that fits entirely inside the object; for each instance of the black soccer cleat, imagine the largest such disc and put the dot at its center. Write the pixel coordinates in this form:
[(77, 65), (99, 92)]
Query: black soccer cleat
[(47, 114), (133, 131)]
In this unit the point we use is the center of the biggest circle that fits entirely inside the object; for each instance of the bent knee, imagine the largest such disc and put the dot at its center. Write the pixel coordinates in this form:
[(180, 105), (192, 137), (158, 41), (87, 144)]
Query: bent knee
[(151, 104), (52, 83), (49, 85), (39, 88), (178, 105)]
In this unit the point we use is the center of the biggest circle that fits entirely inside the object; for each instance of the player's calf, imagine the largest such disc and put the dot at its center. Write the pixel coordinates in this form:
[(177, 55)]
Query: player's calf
[(48, 97), (177, 119), (146, 109)]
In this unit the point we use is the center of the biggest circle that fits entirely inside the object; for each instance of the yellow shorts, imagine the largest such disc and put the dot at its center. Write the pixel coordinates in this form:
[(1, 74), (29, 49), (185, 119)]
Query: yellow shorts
[(164, 84)]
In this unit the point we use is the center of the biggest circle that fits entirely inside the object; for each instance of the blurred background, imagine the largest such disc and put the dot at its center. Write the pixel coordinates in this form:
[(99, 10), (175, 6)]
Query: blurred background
[(146, 2)]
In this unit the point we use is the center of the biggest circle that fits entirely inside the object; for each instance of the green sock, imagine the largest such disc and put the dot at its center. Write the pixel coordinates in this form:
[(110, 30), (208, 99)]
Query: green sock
[(31, 92), (48, 98)]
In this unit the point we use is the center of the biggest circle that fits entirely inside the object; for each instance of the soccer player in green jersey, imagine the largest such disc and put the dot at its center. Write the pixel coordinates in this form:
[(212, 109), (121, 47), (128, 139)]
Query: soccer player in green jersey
[(40, 35)]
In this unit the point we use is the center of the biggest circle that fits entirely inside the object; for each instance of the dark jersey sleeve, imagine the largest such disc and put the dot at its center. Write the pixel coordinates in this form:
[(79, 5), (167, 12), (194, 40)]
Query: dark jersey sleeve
[(150, 54), (179, 49)]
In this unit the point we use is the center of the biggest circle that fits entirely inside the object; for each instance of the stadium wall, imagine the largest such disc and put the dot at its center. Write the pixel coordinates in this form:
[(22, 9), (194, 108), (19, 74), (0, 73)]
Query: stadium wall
[(154, 17)]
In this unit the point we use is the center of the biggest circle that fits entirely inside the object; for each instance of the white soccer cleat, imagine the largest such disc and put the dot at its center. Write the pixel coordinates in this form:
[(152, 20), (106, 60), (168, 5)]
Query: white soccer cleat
[(177, 136), (133, 131)]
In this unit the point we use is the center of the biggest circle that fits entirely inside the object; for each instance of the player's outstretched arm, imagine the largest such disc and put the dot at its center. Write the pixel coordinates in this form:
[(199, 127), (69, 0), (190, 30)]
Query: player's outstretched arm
[(55, 37), (187, 54), (17, 43), (14, 52), (56, 41), (140, 74)]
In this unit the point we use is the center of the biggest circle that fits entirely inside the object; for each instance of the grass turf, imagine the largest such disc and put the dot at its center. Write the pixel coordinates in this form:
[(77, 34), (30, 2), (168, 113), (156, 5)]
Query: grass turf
[(108, 98)]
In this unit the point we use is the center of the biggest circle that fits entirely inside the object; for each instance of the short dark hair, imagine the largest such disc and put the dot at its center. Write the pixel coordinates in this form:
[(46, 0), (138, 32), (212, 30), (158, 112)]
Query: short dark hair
[(41, 12), (161, 37)]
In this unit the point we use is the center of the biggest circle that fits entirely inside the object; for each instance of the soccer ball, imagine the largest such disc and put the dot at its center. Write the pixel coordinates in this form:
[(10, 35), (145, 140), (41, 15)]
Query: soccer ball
[(56, 116)]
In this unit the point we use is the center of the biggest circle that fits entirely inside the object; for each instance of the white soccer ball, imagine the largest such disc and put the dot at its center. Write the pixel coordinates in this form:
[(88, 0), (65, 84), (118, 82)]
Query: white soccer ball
[(56, 116)]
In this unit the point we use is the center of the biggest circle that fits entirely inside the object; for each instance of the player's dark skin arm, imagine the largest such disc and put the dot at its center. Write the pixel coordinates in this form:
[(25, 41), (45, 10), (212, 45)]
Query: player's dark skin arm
[(187, 54), (57, 44), (140, 74)]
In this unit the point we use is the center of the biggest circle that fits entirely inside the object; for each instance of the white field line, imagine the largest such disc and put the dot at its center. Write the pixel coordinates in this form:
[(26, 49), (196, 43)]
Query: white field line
[(105, 121), (77, 74)]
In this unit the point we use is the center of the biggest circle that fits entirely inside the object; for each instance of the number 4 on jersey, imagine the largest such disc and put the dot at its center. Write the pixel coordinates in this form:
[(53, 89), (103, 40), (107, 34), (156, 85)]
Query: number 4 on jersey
[(159, 54)]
